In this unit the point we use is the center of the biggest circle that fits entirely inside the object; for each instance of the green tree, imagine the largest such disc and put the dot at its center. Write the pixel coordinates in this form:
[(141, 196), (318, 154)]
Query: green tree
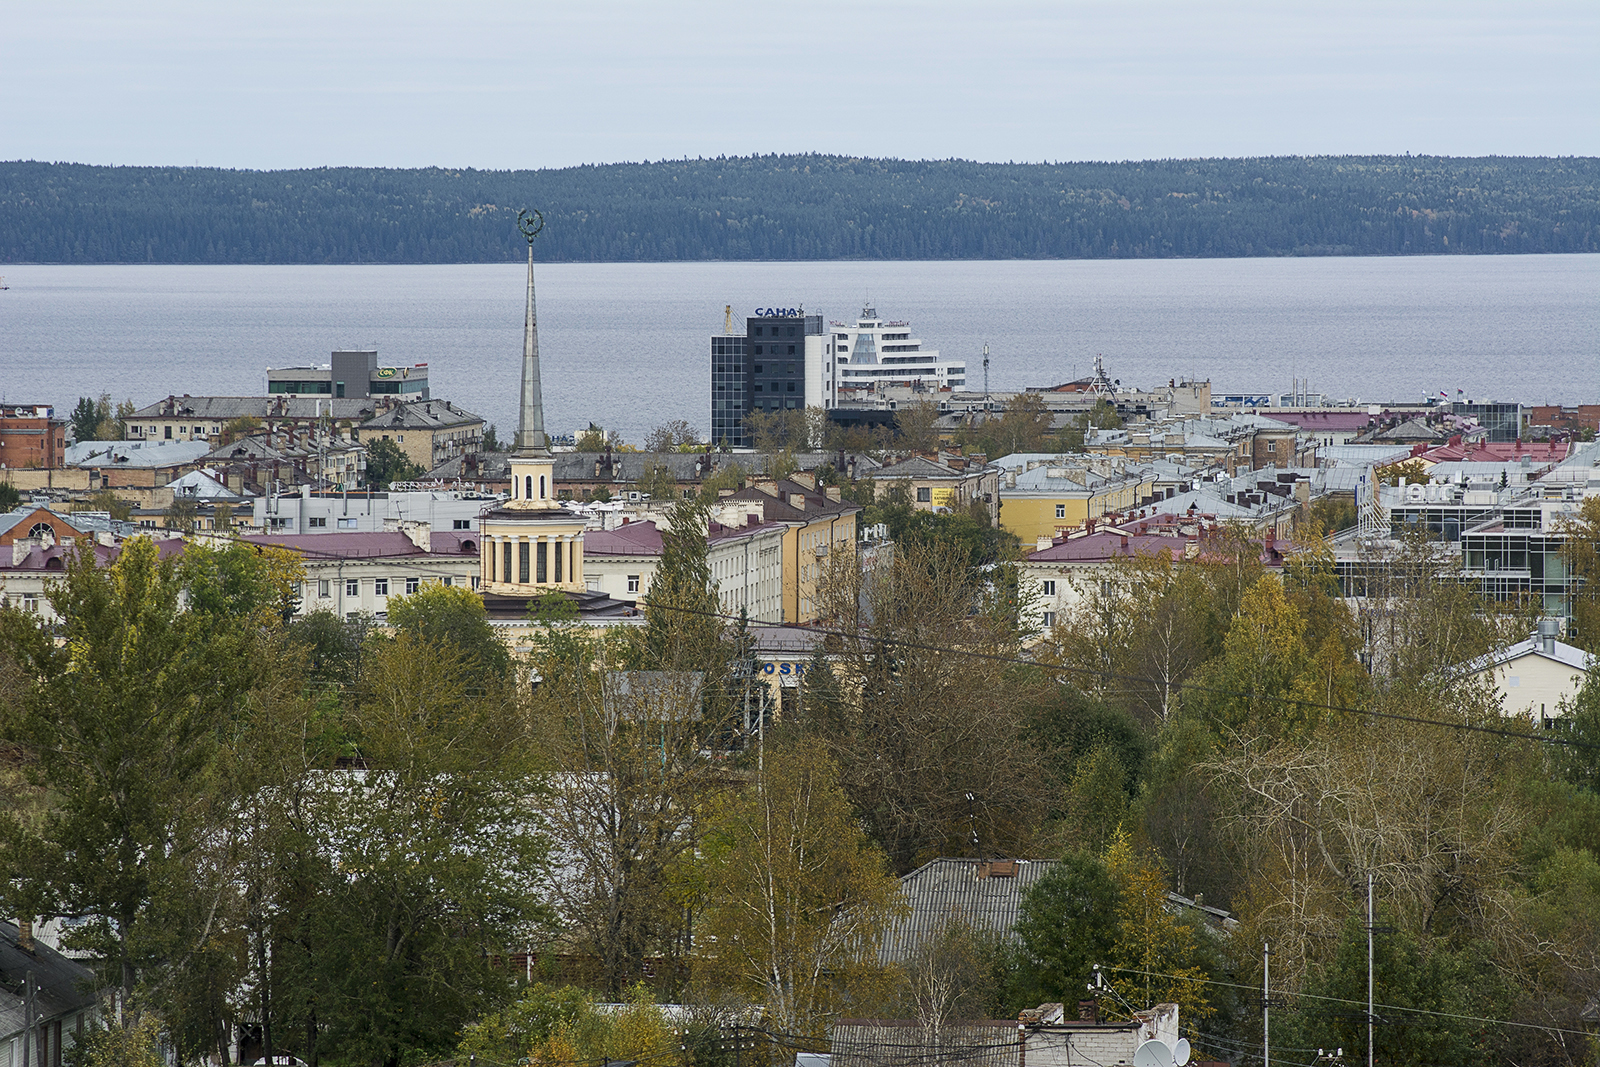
[(96, 420), (436, 865), (10, 498), (1065, 922), (916, 426), (658, 482), (682, 629), (452, 615), (386, 463), (671, 436), (491, 440), (552, 1026), (123, 723), (797, 896), (932, 743)]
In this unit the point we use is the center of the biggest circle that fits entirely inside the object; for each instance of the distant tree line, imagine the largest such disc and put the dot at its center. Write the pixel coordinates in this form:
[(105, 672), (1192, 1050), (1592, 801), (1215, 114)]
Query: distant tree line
[(804, 207)]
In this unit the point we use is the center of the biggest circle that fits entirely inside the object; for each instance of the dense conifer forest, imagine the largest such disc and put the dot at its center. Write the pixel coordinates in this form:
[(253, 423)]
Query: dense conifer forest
[(804, 207)]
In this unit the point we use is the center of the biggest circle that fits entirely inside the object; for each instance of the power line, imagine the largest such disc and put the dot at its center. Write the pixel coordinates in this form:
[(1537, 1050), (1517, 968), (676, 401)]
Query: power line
[(1187, 686), (1359, 1003)]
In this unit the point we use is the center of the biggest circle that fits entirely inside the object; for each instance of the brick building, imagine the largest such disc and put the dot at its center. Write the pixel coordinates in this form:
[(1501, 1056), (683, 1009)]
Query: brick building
[(31, 436)]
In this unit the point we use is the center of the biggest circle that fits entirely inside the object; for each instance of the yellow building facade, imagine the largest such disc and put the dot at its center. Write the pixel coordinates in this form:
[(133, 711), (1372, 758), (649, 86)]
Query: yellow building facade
[(1043, 504)]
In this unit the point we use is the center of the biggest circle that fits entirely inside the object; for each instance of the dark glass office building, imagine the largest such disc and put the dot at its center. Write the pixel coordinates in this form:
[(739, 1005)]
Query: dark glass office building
[(768, 369)]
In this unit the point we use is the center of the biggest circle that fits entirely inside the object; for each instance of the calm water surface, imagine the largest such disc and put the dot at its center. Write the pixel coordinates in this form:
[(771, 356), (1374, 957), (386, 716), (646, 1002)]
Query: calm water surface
[(624, 345)]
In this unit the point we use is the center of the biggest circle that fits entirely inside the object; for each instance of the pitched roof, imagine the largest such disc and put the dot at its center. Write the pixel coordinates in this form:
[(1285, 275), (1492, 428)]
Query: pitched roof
[(10, 520), (62, 986), (986, 895), (202, 485), (632, 539), (1097, 546), (421, 415), (359, 545), (1560, 652), (780, 508), (135, 453), (916, 467), (277, 406)]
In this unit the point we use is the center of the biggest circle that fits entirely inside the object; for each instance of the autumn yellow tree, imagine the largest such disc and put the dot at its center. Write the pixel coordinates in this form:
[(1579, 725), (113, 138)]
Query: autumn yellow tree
[(1154, 956), (796, 896)]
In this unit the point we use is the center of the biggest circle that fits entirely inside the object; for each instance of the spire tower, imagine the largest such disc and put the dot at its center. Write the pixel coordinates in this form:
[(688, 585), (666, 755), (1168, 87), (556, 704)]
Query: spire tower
[(531, 440)]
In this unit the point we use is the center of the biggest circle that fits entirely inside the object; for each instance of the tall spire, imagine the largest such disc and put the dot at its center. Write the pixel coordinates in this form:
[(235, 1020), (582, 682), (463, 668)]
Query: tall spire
[(531, 439)]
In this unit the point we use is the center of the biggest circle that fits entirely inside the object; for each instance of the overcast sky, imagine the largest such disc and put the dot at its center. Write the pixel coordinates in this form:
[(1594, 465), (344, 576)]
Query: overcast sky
[(485, 83)]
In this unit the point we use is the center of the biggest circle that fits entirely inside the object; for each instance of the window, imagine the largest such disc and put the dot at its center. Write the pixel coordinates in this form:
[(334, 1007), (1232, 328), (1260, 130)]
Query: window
[(758, 368), (318, 520), (448, 581), (790, 388), (168, 434), (1061, 511), (522, 562), (758, 347), (758, 334), (791, 347), (347, 524), (411, 585), (1050, 588), (791, 368), (788, 331), (758, 387), (30, 602), (633, 583), (323, 589), (543, 568), (461, 524), (1049, 619), (474, 581), (924, 495), (352, 587), (380, 587)]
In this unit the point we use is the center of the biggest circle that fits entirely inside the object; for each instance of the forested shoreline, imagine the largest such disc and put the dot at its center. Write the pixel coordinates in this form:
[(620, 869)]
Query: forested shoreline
[(804, 207)]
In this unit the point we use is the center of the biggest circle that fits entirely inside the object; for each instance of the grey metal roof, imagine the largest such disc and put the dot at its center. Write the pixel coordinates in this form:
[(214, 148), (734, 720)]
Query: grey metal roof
[(277, 406), (62, 986), (979, 893), (421, 415), (135, 453)]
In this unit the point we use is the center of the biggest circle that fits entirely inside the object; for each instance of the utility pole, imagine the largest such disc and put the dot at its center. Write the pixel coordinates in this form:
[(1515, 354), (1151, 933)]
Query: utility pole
[(27, 1018), (1266, 995), (1369, 967)]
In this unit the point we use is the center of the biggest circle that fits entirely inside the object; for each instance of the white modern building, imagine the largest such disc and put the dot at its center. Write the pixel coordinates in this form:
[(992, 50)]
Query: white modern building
[(873, 351), (305, 512)]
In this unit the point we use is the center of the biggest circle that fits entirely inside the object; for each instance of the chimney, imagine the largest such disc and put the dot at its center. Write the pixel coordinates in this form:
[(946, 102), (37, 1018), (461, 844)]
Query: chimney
[(25, 935), (1088, 1011), (1124, 542), (420, 533)]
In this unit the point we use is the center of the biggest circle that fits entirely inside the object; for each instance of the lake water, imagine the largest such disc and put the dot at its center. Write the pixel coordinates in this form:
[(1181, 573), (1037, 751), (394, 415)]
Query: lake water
[(625, 345)]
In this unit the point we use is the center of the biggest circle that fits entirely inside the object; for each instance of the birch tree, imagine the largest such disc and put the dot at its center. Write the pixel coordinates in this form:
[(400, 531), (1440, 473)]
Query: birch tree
[(797, 895)]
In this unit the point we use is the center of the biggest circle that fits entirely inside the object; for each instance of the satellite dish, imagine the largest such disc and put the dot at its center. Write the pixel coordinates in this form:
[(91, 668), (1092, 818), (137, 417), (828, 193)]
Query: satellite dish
[(1180, 1052), (1152, 1054)]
